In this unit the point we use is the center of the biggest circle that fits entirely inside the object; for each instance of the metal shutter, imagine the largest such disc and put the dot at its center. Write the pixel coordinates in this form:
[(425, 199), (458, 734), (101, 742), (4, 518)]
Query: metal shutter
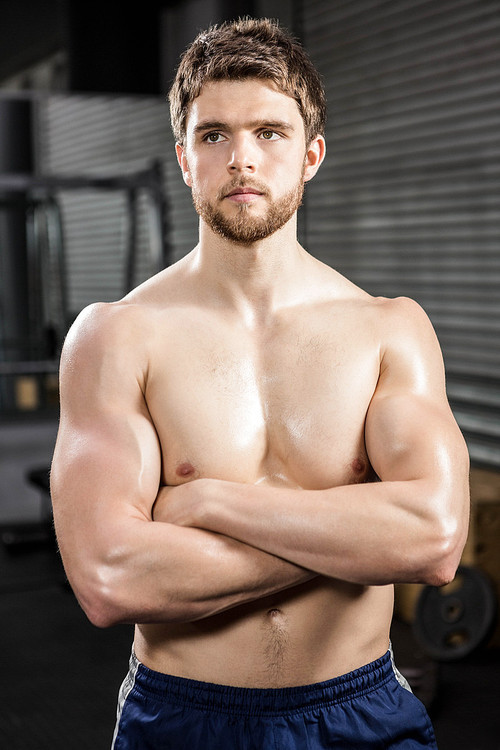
[(408, 201)]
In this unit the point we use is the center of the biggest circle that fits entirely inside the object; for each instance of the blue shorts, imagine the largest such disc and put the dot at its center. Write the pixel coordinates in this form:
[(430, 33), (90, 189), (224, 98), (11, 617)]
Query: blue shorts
[(367, 708)]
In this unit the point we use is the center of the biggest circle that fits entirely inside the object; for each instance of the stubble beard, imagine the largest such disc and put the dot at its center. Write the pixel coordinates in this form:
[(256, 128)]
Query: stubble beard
[(244, 228)]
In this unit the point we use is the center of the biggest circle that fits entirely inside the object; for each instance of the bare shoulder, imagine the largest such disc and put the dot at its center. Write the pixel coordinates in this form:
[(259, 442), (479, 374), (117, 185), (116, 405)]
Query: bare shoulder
[(104, 326), (401, 321), (166, 289), (410, 353), (386, 318), (105, 357), (122, 335), (401, 308)]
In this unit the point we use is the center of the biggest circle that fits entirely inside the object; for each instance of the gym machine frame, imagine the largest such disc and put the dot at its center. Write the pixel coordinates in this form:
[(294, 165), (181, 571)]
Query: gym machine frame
[(39, 193)]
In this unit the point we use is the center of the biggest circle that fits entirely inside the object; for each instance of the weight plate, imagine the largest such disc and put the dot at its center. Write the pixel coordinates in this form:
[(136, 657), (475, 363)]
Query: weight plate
[(452, 621)]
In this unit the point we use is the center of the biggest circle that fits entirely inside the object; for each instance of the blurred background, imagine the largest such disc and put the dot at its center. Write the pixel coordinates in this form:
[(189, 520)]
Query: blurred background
[(92, 203)]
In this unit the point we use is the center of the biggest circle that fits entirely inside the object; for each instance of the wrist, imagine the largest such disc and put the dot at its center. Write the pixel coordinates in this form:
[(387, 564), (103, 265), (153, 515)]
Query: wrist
[(216, 495), (218, 500)]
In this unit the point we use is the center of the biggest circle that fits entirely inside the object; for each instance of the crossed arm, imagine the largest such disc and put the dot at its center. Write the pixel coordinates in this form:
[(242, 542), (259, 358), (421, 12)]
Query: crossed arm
[(215, 544), (124, 567), (409, 527)]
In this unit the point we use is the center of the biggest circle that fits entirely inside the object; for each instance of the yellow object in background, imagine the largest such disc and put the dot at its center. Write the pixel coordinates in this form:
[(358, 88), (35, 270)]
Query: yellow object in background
[(26, 393)]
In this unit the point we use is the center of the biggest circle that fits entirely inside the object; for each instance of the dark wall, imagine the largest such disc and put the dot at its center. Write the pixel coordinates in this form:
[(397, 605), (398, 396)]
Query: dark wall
[(111, 46), (30, 30), (114, 48)]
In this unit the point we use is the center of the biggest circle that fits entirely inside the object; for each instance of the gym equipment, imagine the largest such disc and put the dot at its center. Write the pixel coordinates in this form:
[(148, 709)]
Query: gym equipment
[(453, 620), (49, 316), (31, 357)]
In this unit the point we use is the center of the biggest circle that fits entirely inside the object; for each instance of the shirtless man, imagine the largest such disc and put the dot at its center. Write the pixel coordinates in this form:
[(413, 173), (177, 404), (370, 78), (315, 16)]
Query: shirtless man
[(252, 450)]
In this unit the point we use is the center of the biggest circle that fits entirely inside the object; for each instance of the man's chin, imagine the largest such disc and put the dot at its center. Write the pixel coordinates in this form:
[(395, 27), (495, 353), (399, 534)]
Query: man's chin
[(242, 224), (247, 235)]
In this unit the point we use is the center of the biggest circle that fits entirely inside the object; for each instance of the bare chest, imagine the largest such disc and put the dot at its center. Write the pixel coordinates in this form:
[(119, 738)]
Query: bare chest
[(286, 408)]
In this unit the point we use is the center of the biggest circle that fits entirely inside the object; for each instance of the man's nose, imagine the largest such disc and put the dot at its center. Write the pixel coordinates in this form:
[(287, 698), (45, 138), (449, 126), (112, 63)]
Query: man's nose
[(243, 157)]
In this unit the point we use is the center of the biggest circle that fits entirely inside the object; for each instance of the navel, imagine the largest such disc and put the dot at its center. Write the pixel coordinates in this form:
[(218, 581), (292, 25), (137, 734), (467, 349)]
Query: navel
[(273, 614), (275, 644)]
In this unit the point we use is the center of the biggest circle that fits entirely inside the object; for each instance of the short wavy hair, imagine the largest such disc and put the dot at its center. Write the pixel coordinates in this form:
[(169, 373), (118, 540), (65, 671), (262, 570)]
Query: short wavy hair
[(248, 48)]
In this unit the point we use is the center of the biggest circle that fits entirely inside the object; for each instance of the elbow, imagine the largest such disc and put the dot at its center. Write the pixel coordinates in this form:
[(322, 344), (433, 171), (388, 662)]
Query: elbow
[(444, 559), (447, 534), (102, 611), (109, 599), (106, 611), (101, 617), (99, 599), (440, 575)]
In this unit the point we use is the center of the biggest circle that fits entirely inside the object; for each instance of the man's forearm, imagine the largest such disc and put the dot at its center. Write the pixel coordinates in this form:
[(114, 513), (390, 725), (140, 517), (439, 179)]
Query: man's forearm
[(366, 533), (228, 572), (163, 573), (217, 572), (354, 533)]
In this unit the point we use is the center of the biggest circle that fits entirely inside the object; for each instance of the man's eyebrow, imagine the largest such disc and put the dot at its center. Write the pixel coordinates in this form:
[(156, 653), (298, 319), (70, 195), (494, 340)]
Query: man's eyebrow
[(210, 125), (205, 125), (274, 125)]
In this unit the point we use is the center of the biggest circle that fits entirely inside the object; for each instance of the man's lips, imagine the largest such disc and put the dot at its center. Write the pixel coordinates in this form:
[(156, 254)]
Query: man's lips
[(244, 191), (243, 194)]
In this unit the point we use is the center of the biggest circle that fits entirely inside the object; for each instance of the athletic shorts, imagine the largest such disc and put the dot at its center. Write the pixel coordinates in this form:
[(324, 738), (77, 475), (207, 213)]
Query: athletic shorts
[(371, 707)]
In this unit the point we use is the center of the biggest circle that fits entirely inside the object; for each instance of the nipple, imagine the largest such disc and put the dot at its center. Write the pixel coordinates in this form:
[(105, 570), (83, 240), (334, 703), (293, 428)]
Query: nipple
[(185, 470), (358, 466)]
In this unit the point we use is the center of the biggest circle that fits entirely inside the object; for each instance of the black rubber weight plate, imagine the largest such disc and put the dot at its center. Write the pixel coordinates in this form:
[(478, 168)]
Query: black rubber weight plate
[(453, 620)]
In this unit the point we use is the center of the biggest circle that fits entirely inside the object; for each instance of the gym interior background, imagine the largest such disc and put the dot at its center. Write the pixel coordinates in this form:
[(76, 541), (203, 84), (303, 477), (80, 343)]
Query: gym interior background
[(92, 203)]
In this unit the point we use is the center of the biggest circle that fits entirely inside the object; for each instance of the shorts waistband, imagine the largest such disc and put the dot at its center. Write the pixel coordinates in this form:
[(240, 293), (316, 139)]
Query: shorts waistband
[(261, 701)]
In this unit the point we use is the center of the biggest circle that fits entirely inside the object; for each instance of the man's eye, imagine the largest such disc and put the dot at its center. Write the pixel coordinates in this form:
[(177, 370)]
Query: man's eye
[(269, 135), (213, 137)]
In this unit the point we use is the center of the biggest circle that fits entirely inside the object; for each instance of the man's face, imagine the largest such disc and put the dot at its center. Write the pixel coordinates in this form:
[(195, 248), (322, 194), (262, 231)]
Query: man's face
[(245, 158)]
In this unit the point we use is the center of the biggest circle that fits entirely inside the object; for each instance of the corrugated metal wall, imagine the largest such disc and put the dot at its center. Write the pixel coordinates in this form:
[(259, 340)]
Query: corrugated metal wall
[(407, 202), (108, 136)]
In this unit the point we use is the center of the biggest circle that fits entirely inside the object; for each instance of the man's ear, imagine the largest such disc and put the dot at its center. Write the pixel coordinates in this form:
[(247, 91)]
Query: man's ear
[(315, 154), (183, 163)]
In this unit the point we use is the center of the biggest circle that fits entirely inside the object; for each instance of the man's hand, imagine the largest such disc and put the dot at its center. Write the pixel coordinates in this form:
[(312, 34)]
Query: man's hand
[(186, 504)]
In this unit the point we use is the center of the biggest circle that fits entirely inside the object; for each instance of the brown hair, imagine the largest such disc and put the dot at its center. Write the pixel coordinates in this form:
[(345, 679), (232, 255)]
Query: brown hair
[(248, 48)]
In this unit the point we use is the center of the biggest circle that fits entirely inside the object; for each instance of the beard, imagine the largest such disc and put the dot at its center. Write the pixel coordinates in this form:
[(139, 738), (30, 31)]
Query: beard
[(245, 228)]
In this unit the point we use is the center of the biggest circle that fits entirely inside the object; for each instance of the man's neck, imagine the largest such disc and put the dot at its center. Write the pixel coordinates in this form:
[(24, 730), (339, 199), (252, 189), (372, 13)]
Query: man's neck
[(254, 280)]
